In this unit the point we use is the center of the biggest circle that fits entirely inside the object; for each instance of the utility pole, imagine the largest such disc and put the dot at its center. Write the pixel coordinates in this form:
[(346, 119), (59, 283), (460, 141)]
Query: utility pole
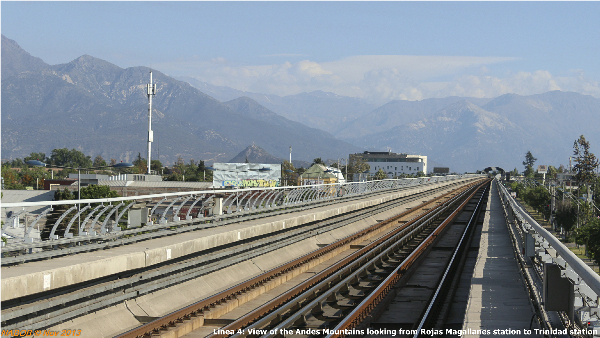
[(347, 163), (290, 154), (151, 92), (570, 167)]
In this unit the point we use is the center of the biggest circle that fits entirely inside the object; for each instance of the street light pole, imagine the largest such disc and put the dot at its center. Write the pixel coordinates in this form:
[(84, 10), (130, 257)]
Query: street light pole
[(347, 164)]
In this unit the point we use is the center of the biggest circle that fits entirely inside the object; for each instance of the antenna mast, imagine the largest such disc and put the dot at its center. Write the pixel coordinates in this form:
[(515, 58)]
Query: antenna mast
[(151, 92)]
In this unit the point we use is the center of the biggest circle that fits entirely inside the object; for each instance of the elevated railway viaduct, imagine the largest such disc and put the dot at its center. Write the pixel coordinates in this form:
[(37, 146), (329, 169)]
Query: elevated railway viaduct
[(423, 257)]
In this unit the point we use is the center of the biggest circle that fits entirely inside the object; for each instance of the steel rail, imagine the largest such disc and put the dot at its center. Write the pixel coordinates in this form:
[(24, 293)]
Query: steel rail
[(203, 305), (361, 312), (190, 271), (358, 263), (349, 263), (428, 313)]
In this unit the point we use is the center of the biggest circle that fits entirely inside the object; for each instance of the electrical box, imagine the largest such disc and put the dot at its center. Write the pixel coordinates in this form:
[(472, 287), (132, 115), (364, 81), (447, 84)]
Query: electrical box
[(529, 245), (138, 215), (559, 293)]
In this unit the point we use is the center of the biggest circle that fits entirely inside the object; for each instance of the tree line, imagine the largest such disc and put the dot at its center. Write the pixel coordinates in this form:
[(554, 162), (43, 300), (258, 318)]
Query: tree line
[(576, 215), (18, 175)]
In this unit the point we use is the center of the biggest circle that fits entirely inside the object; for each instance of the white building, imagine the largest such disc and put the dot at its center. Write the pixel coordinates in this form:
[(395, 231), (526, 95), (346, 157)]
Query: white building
[(337, 173), (391, 163)]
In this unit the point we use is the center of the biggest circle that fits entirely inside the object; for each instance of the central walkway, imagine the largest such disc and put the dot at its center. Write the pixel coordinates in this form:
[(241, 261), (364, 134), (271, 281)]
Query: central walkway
[(498, 298)]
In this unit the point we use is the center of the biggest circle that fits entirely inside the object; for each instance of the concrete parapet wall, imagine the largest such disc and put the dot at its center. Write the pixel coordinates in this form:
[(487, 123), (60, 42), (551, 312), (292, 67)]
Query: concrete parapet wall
[(34, 277), (48, 279)]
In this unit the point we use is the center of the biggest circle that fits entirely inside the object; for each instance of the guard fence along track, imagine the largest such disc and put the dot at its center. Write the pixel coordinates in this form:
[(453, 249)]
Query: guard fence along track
[(95, 224), (56, 306), (331, 295)]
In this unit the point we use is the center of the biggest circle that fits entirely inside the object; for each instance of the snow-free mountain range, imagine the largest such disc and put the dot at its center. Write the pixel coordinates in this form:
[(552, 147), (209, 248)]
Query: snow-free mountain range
[(101, 109)]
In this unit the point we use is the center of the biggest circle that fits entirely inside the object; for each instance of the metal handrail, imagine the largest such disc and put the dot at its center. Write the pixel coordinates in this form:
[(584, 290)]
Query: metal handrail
[(586, 274), (275, 198)]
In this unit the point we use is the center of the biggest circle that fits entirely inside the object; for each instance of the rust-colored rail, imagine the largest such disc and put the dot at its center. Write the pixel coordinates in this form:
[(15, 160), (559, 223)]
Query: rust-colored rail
[(370, 302), (300, 288), (197, 308)]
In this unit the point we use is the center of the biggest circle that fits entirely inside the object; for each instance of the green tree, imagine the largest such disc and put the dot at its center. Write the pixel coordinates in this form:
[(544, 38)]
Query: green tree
[(99, 162), (34, 176), (12, 179), (358, 165), (156, 165), (179, 171), (538, 198), (204, 174), (317, 160), (380, 175), (16, 163), (585, 162), (552, 171), (566, 216), (529, 172), (589, 235), (61, 195), (97, 191), (529, 160), (290, 178), (140, 165), (201, 166), (70, 158)]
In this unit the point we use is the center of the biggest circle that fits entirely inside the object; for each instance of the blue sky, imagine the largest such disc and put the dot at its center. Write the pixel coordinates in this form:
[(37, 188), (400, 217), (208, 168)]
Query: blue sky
[(375, 50)]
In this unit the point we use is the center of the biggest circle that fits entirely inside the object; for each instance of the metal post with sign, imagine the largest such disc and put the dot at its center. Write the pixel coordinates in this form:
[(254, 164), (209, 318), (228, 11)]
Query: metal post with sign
[(543, 169)]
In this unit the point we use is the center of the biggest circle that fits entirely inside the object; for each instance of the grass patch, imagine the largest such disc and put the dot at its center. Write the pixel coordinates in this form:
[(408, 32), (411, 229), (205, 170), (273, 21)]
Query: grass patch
[(580, 252)]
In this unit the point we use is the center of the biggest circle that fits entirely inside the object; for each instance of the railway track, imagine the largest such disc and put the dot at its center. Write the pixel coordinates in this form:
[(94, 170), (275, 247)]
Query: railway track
[(53, 307), (343, 298)]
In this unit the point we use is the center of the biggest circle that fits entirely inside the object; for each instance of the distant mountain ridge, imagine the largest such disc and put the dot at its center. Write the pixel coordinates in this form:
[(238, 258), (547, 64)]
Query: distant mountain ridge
[(464, 135), (101, 109), (395, 113), (546, 124), (15, 60), (255, 154), (317, 109)]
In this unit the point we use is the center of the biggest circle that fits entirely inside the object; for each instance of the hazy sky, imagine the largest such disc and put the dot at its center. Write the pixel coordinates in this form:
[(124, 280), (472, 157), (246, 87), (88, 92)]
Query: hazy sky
[(375, 50)]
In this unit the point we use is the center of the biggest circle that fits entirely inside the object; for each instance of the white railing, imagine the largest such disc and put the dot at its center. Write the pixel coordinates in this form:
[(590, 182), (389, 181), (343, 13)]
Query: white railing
[(98, 220), (550, 250)]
